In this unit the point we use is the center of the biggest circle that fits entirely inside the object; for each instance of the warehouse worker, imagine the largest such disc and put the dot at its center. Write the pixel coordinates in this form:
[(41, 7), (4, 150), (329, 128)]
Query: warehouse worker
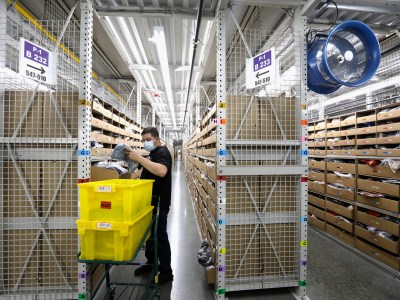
[(158, 168)]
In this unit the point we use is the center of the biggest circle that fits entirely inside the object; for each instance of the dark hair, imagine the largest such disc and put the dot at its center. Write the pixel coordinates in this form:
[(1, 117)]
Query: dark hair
[(152, 130)]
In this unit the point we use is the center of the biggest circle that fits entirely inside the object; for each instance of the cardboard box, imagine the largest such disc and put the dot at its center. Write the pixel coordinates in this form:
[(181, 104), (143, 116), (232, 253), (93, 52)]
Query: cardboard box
[(331, 124), (15, 103), (333, 152), (388, 140), (347, 142), (319, 152), (341, 193), (310, 128), (380, 171), (380, 187), (388, 127), (319, 144), (388, 115), (320, 125), (347, 122), (210, 274), (379, 223), (316, 187), (97, 107), (316, 200), (392, 205), (385, 257), (16, 247), (238, 239), (341, 167), (311, 151), (366, 130), (316, 164), (316, 176), (340, 234), (332, 178), (364, 142), (316, 222), (311, 136), (341, 210), (281, 244), (373, 238), (366, 119), (350, 152), (388, 152), (319, 213), (339, 223), (348, 132), (366, 152), (97, 174), (332, 143)]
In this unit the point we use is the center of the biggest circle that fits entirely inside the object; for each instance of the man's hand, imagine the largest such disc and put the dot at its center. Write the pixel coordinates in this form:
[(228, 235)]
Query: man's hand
[(134, 155)]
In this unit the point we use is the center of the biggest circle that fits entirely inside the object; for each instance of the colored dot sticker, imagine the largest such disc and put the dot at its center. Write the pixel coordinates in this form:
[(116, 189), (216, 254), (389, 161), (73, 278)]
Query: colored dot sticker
[(220, 291), (222, 251), (82, 296), (222, 105), (303, 243), (83, 152), (221, 221), (302, 283), (221, 152), (84, 102)]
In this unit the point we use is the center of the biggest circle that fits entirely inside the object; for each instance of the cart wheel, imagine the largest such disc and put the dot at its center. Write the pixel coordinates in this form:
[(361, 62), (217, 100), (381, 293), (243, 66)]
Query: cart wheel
[(111, 294)]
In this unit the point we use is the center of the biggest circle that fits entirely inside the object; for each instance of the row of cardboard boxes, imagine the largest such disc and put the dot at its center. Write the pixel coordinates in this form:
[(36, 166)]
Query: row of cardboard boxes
[(107, 126), (355, 131), (386, 202), (348, 230), (110, 115), (351, 167), (358, 118), (210, 152), (355, 142), (356, 152), (194, 141), (102, 138), (106, 152)]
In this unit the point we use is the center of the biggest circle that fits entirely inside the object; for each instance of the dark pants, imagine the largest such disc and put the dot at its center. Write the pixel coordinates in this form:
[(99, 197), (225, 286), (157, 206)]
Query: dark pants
[(163, 247)]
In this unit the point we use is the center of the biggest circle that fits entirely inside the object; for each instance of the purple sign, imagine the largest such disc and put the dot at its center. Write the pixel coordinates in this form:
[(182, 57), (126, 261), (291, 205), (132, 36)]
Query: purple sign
[(262, 61), (36, 54)]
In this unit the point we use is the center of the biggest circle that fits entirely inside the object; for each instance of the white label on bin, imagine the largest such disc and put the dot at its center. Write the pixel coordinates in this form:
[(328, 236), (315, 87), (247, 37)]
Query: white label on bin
[(104, 189), (103, 225)]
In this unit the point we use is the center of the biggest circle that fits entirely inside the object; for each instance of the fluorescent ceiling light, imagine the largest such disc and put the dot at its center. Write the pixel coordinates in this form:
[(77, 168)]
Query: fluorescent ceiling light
[(161, 46)]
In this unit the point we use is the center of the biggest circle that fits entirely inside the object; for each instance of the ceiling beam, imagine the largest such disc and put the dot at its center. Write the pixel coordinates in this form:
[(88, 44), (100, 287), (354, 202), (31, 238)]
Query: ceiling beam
[(322, 24), (270, 3), (151, 67), (384, 7), (310, 6), (134, 11)]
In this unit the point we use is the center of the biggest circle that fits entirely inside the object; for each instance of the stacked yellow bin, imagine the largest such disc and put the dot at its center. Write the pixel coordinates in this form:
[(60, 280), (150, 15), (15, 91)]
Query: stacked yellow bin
[(114, 216)]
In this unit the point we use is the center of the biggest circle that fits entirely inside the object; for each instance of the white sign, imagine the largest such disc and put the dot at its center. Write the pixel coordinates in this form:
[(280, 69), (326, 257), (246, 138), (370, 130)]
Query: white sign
[(37, 63), (260, 69)]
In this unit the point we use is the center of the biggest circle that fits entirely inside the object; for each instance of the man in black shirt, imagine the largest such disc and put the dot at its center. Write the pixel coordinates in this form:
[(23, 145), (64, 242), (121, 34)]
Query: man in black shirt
[(158, 168)]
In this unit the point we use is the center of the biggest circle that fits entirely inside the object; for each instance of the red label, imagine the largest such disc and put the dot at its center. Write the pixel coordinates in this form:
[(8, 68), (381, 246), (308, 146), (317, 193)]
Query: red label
[(105, 205), (221, 178), (304, 179)]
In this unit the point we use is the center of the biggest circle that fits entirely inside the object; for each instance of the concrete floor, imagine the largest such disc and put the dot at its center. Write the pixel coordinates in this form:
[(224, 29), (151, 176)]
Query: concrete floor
[(333, 271)]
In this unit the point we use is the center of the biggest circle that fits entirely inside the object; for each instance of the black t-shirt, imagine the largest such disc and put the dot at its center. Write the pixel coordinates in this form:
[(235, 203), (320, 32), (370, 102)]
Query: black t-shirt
[(161, 185)]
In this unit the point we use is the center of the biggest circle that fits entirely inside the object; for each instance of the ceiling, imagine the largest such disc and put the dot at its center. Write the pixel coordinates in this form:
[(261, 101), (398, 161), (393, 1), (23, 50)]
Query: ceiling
[(125, 30)]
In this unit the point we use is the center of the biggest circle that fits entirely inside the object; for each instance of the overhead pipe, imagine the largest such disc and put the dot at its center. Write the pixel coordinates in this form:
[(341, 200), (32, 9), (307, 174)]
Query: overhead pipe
[(196, 40)]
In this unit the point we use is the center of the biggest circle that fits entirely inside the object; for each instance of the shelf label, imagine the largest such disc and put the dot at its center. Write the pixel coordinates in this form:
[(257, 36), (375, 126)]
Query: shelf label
[(304, 122), (302, 283), (303, 263), (105, 205), (221, 221), (221, 178), (83, 102), (222, 250), (220, 291), (304, 106), (219, 121), (221, 152), (104, 189), (304, 152), (304, 179), (103, 225), (221, 268), (303, 243), (222, 200), (82, 275), (83, 180), (85, 153), (303, 219), (82, 296), (222, 105), (304, 139)]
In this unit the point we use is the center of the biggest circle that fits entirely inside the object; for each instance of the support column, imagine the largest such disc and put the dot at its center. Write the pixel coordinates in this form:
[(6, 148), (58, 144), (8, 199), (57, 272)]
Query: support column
[(153, 117), (139, 104), (84, 121), (3, 36), (160, 129)]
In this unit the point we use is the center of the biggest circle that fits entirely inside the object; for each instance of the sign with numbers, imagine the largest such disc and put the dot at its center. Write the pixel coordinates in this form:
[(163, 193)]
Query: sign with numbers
[(260, 69), (37, 63)]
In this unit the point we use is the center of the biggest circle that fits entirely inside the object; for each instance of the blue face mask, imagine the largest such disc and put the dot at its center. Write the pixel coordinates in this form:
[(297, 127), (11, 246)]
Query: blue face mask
[(149, 145)]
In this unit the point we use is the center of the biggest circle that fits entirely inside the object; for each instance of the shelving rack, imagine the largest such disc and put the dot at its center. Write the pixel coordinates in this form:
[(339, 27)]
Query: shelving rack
[(341, 210), (247, 167)]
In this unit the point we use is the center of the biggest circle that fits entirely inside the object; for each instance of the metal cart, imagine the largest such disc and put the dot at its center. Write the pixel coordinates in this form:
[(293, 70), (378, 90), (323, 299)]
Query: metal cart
[(151, 284)]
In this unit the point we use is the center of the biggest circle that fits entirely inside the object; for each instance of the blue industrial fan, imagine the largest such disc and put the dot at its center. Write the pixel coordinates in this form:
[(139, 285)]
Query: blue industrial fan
[(349, 56)]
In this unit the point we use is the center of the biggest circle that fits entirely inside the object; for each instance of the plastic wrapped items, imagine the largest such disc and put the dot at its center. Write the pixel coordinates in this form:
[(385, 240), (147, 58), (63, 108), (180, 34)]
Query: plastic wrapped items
[(204, 256), (119, 153), (394, 165)]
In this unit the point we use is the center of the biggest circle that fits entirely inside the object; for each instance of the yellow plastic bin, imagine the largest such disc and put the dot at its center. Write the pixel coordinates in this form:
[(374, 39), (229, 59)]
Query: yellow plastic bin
[(113, 241), (119, 200)]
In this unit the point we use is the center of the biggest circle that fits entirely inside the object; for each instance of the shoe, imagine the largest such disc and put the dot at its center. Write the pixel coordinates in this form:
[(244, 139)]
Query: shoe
[(143, 270), (163, 279)]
